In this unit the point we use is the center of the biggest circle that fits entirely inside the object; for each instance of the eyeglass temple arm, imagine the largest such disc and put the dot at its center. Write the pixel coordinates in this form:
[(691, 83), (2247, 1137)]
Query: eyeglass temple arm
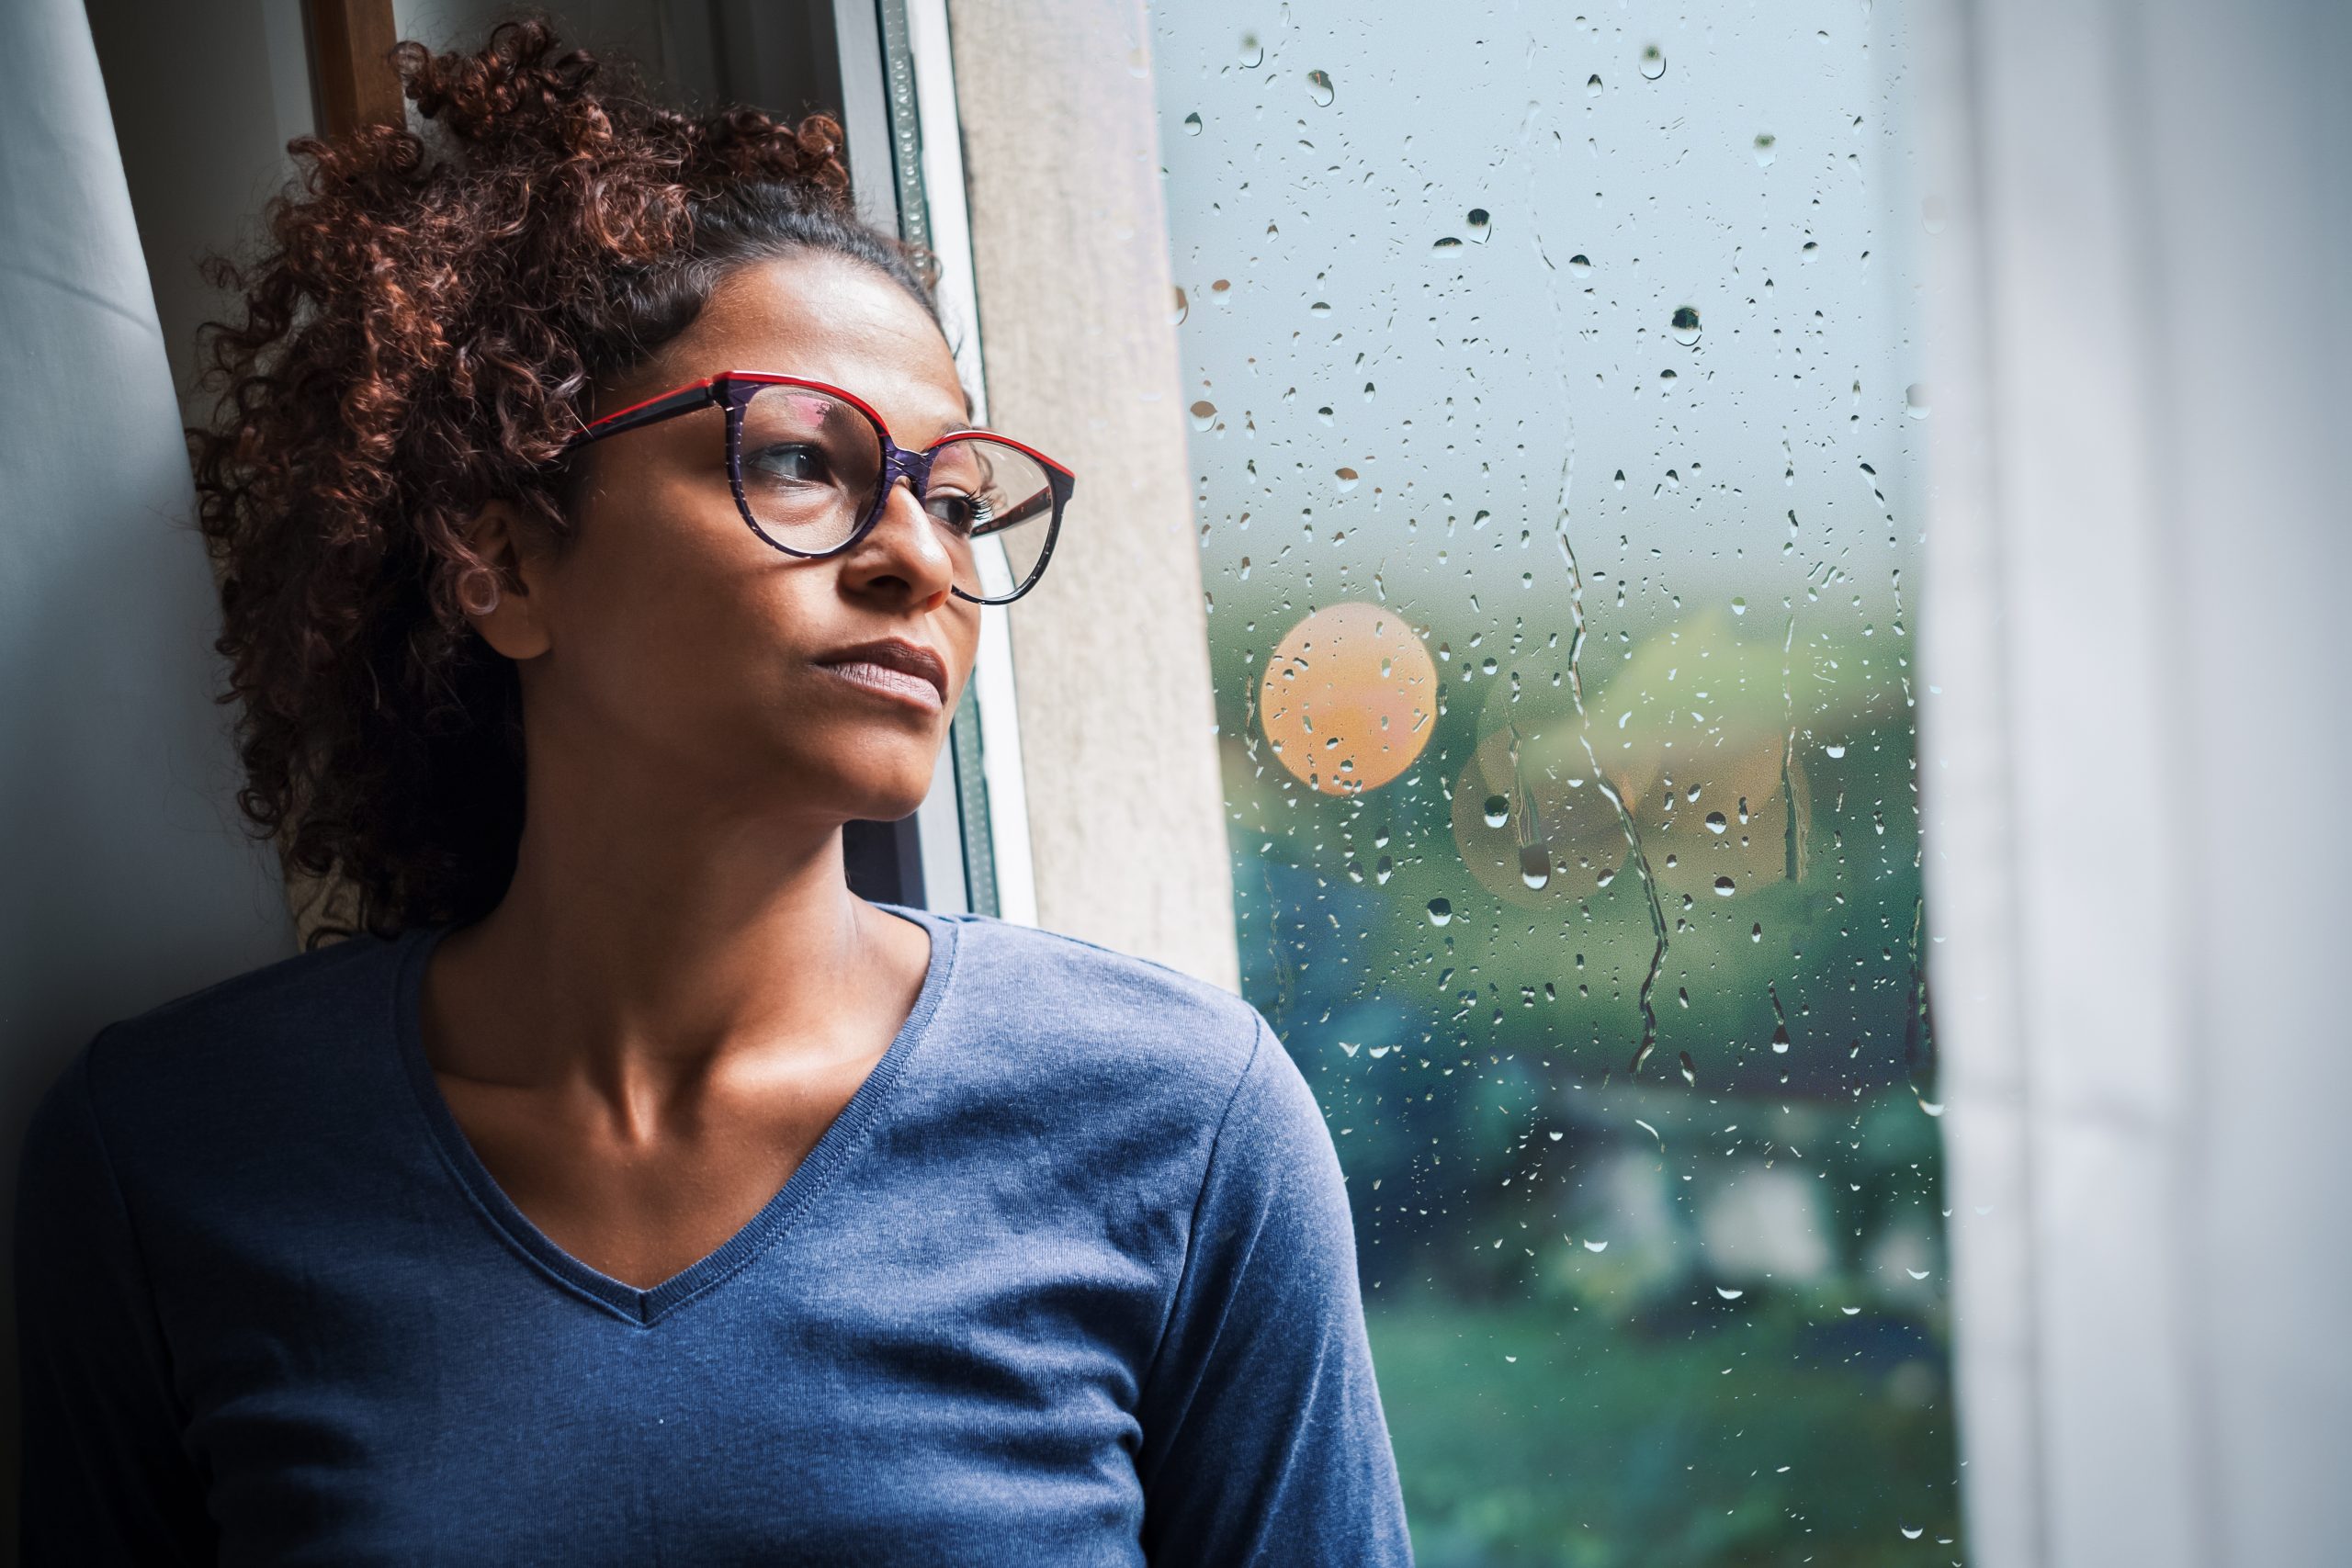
[(649, 411)]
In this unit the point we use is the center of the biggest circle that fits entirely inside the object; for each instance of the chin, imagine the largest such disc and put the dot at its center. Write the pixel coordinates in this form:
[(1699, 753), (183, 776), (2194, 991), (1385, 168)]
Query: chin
[(880, 799)]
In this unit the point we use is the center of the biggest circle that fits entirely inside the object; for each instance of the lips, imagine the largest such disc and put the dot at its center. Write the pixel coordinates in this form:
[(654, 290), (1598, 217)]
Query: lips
[(895, 658)]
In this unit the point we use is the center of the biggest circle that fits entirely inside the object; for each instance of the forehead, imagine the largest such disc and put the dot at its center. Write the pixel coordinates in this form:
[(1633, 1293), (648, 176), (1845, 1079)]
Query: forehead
[(830, 319)]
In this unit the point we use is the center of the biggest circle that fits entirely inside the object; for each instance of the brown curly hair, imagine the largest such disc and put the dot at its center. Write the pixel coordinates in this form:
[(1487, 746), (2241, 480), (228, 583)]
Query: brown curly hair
[(427, 320)]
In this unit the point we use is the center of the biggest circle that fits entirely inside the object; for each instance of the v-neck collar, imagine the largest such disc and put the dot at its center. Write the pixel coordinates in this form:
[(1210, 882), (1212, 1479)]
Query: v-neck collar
[(799, 1191)]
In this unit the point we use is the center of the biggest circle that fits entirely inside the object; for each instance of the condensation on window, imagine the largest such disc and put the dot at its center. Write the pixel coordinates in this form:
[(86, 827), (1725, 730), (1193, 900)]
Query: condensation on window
[(1558, 427)]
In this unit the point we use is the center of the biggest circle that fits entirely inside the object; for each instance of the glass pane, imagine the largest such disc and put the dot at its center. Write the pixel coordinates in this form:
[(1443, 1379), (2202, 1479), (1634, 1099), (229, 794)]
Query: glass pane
[(1558, 427)]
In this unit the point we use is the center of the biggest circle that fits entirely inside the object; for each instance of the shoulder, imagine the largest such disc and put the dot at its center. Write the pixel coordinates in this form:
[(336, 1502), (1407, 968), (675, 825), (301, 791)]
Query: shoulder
[(1100, 1024), (1111, 995), (233, 1054)]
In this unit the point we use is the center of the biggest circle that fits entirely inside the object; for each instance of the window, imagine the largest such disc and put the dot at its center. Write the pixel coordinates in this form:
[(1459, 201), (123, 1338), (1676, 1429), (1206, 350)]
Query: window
[(1557, 430)]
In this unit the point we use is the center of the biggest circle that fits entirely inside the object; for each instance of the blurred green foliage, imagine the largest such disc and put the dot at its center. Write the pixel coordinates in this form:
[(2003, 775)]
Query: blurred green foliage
[(1723, 1264)]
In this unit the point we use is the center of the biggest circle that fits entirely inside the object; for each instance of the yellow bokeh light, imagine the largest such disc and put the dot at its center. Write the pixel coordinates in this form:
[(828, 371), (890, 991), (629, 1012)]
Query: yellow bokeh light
[(1348, 698)]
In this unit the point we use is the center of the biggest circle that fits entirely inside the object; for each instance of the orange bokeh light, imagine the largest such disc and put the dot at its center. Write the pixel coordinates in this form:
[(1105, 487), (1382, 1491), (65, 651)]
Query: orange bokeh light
[(1348, 698)]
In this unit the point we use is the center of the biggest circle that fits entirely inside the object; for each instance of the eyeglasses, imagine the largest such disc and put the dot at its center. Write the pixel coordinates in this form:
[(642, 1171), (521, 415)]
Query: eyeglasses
[(813, 468)]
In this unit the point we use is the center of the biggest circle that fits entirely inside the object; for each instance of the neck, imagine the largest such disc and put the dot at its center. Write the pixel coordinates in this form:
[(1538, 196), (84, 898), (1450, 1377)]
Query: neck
[(645, 938)]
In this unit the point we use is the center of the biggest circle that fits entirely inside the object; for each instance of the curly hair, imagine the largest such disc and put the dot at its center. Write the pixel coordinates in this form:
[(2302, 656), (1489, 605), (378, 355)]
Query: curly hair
[(422, 329)]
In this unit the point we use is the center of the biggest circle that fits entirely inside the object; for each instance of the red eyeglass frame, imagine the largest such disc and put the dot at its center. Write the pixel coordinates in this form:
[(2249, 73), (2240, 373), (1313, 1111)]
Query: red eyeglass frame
[(732, 391)]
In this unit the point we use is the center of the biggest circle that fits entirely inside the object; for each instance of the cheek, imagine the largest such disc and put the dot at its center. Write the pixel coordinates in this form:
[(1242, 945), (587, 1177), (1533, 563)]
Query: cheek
[(672, 612)]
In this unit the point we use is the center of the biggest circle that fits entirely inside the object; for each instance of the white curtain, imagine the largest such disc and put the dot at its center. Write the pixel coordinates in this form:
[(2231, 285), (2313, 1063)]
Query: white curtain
[(2134, 756), (123, 879)]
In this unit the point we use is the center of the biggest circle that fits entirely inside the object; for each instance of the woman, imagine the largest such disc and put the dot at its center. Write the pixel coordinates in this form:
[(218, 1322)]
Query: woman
[(598, 533)]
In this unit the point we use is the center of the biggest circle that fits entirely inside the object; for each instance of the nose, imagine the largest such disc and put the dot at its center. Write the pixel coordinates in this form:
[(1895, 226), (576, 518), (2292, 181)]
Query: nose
[(903, 555)]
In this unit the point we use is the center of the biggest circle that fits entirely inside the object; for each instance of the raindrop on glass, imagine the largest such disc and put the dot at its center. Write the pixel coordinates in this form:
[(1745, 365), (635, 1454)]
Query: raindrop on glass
[(1319, 87), (1347, 478), (1480, 219), (1581, 265), (1497, 810), (1915, 400), (1715, 823), (1765, 140), (1592, 86), (1253, 53), (1722, 887), (1204, 414), (1191, 125), (1653, 63), (1686, 326), (1441, 911)]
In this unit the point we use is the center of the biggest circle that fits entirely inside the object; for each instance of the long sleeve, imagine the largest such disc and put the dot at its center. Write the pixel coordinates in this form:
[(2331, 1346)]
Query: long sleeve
[(104, 1478), (1264, 1441)]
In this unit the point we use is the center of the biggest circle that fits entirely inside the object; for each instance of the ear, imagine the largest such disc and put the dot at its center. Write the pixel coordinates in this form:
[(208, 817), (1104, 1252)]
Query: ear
[(517, 625)]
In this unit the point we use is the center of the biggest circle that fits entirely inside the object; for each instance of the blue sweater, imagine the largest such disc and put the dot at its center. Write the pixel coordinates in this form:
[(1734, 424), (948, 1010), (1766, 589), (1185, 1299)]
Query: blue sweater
[(1070, 1281)]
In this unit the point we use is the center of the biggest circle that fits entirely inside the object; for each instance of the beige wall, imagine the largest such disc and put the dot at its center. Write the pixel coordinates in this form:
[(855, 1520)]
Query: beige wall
[(1070, 242)]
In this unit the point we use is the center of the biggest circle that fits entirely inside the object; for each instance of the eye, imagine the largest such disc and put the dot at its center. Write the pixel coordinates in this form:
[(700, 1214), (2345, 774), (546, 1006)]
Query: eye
[(793, 463), (967, 515)]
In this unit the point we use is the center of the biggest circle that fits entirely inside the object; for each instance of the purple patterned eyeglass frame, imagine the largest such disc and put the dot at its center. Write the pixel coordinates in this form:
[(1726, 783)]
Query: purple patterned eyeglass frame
[(732, 390)]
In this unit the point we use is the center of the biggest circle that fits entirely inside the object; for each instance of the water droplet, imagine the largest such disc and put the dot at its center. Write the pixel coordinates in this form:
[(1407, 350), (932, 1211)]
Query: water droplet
[(1253, 53), (1191, 125), (1581, 265), (1534, 866), (1728, 1293), (1722, 887), (1781, 1040), (1596, 1246), (1911, 1534), (1204, 414), (1834, 751), (1367, 391), (1592, 86), (1479, 221), (1686, 326), (1383, 870), (1764, 142), (1715, 822), (1514, 1360), (1347, 478), (1740, 606), (1497, 810), (1448, 243), (1320, 308), (1915, 400), (1319, 87), (1653, 62), (1756, 932), (1441, 911), (1184, 308), (1689, 1070)]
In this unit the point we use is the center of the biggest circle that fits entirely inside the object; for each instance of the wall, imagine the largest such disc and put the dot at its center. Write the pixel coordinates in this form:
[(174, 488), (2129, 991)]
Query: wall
[(1070, 243)]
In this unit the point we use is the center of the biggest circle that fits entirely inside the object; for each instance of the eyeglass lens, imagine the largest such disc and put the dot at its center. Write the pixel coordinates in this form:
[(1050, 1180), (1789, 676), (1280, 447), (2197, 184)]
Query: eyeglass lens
[(810, 464)]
